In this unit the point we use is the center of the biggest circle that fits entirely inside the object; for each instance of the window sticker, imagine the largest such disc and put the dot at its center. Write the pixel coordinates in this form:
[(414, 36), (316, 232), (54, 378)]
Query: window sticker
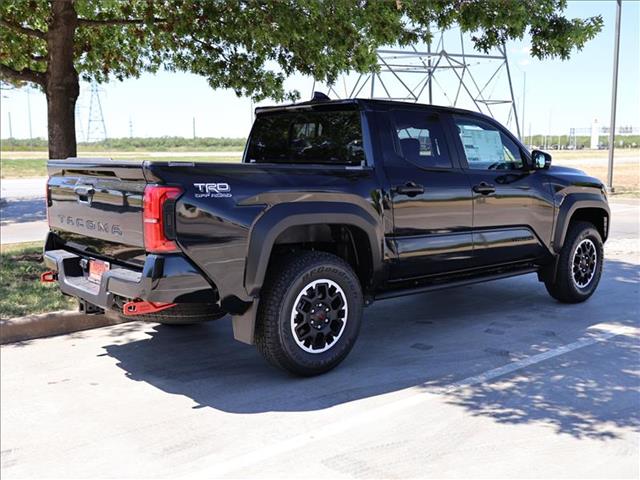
[(481, 146)]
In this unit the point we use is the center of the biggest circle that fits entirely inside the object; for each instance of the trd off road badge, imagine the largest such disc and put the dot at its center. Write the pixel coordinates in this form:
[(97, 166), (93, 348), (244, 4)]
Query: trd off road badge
[(212, 190)]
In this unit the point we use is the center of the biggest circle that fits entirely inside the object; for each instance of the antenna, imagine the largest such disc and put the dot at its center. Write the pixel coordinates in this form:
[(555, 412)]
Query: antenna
[(96, 128), (319, 97)]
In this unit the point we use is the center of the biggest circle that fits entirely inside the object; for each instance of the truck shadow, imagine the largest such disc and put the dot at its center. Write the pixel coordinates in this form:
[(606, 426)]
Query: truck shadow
[(22, 210), (427, 342)]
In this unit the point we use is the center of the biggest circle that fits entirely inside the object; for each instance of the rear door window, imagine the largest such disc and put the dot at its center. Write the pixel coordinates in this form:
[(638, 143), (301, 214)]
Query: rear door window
[(420, 139), (307, 137)]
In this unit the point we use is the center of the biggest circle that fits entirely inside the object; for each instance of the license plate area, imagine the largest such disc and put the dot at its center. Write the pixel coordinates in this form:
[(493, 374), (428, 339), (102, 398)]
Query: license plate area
[(96, 269)]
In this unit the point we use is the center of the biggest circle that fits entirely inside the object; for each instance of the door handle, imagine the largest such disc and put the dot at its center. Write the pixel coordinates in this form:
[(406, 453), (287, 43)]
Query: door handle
[(484, 188), (410, 189), (84, 193), (84, 190)]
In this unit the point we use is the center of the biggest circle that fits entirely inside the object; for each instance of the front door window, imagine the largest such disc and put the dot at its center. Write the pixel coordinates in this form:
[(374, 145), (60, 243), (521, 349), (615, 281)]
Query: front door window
[(487, 147)]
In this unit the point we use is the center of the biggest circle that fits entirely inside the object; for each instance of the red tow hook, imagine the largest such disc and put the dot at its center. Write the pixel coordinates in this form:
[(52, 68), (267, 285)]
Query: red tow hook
[(48, 277), (141, 307)]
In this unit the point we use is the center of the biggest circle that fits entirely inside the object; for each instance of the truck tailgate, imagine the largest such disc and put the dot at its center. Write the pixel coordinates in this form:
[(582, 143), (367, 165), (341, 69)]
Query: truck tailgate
[(98, 203)]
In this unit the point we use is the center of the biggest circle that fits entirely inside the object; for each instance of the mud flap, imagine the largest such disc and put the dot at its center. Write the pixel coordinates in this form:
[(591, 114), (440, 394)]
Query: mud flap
[(548, 271), (244, 325)]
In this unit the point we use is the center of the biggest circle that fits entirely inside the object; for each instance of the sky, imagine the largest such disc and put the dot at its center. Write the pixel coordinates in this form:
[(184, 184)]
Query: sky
[(559, 95)]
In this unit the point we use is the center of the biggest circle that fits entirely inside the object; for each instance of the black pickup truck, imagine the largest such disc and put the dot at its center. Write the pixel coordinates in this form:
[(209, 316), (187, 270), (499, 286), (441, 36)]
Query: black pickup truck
[(335, 204)]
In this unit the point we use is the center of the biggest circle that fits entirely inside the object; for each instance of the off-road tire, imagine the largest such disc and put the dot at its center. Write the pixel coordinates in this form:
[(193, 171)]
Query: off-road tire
[(181, 314), (286, 280), (563, 287)]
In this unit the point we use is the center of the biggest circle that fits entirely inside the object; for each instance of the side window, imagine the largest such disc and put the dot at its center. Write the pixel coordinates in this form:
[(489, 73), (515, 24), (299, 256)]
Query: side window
[(420, 139), (486, 146)]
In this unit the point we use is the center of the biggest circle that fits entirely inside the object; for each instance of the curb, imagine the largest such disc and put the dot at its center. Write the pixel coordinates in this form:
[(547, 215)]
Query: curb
[(53, 323)]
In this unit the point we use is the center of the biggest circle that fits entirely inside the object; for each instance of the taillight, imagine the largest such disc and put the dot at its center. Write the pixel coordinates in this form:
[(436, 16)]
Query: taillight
[(158, 217)]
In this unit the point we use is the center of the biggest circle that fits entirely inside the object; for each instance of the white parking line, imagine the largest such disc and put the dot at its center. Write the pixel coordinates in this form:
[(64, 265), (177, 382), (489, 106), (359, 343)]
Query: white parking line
[(213, 468)]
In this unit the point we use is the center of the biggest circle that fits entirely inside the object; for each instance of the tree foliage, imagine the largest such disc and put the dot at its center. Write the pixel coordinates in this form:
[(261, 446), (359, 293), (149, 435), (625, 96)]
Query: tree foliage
[(250, 46)]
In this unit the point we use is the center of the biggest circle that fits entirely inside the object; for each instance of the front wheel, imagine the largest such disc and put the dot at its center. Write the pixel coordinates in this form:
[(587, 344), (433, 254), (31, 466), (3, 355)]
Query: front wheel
[(309, 313), (579, 266)]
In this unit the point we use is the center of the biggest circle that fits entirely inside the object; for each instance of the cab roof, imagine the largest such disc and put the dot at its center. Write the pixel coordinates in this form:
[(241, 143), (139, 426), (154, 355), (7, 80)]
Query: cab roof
[(357, 104)]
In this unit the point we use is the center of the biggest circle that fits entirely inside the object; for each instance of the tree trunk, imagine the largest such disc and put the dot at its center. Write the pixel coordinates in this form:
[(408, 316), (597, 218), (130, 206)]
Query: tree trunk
[(62, 86)]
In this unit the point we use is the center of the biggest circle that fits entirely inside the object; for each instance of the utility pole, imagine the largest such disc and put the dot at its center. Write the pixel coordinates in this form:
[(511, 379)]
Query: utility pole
[(130, 127), (79, 130), (429, 71), (10, 129), (548, 137), (29, 112), (614, 95), (524, 90), (373, 84), (193, 126), (515, 110)]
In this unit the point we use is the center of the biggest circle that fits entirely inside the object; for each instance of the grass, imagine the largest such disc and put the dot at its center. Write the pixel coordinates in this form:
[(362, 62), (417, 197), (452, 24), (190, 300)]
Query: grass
[(626, 177), (21, 292), (30, 167)]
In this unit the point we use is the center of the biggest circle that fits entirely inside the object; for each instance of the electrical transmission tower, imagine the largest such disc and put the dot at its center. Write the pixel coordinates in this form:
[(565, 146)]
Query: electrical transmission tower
[(96, 128), (78, 118), (444, 75)]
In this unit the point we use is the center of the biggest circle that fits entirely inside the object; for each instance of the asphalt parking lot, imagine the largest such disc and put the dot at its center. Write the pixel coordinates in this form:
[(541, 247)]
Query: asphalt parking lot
[(493, 380)]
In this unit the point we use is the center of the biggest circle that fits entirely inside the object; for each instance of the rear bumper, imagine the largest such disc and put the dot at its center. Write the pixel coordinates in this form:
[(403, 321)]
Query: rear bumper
[(163, 279)]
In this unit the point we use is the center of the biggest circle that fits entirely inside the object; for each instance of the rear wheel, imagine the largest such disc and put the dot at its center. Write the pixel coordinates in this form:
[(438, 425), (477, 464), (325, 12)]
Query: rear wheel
[(579, 266), (309, 313)]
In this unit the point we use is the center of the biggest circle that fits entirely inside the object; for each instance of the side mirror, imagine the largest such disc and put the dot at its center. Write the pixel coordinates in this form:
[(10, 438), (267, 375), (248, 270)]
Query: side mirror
[(540, 160)]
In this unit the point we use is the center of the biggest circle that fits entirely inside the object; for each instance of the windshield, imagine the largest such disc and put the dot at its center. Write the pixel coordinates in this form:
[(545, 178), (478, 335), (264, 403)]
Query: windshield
[(307, 137)]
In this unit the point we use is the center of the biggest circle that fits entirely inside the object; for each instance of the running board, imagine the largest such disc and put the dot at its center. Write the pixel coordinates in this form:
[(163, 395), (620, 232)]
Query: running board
[(456, 283)]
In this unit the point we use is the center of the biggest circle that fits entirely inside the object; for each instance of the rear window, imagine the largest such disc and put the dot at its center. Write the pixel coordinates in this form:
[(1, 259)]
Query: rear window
[(307, 137)]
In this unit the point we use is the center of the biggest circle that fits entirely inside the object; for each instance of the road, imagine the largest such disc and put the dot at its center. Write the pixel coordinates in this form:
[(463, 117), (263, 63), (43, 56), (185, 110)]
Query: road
[(494, 380), (22, 212)]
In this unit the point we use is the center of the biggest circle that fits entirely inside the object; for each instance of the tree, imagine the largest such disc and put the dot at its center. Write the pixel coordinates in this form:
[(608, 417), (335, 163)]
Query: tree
[(250, 46)]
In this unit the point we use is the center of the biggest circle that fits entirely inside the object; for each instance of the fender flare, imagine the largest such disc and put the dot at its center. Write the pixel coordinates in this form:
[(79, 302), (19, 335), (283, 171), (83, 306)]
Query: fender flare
[(277, 219), (572, 203)]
